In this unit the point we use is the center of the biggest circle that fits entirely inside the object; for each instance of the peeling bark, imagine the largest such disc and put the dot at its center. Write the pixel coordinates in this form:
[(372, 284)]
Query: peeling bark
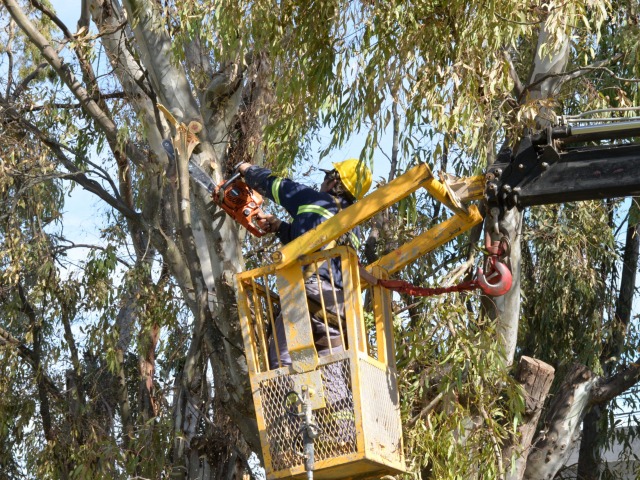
[(536, 378), (562, 425)]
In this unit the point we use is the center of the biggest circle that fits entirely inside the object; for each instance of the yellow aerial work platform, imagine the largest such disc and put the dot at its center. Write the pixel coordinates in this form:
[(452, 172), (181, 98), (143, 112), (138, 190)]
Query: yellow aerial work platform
[(350, 394)]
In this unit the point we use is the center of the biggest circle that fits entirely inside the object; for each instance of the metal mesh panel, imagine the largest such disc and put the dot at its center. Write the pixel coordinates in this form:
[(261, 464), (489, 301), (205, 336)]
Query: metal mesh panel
[(380, 412), (336, 421)]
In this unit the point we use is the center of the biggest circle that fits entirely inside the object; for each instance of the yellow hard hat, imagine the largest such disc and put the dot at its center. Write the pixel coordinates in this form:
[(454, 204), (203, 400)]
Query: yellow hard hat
[(355, 176)]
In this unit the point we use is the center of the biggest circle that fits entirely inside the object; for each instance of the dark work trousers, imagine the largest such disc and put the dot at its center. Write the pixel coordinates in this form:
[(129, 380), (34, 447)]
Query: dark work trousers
[(336, 381), (317, 324)]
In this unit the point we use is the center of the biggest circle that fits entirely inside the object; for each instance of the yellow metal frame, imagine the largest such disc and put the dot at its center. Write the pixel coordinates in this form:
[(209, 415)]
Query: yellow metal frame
[(399, 188), (364, 458), (370, 367)]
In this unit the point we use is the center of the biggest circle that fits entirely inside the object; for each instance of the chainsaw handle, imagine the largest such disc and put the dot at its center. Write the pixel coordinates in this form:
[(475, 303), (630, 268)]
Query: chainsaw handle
[(250, 225), (233, 178)]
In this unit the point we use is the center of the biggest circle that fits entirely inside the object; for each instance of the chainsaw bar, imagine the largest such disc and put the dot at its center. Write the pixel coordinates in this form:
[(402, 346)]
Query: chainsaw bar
[(196, 172), (200, 176)]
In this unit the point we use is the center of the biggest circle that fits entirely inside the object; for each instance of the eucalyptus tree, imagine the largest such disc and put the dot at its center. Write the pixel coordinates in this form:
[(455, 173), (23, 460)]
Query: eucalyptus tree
[(456, 81)]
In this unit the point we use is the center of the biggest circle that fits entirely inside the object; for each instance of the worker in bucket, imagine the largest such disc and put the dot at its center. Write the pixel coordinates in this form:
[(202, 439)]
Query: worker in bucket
[(347, 182)]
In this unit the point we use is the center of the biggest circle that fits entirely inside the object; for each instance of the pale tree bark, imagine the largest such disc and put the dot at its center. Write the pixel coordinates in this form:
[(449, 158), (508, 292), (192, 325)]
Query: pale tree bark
[(217, 245), (544, 83), (579, 392), (561, 425)]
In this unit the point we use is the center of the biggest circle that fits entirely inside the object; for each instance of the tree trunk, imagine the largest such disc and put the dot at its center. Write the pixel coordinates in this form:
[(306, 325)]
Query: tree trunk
[(588, 463), (562, 425), (536, 378)]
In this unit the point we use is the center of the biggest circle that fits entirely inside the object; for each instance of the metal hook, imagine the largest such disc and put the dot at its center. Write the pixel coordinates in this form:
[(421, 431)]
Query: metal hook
[(504, 278)]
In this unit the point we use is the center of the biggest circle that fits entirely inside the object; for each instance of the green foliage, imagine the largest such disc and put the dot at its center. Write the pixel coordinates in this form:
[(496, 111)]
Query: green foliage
[(342, 65), (335, 65), (571, 252), (459, 403)]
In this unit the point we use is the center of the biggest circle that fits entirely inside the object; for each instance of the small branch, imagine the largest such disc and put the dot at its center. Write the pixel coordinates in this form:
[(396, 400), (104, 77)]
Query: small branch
[(25, 82), (62, 249), (517, 83), (69, 106), (9, 51), (430, 406), (393, 171), (53, 17), (494, 441), (102, 173), (106, 31), (570, 75), (504, 19)]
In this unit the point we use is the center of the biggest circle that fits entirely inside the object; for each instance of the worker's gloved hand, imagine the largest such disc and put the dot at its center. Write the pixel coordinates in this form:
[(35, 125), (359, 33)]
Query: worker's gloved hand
[(267, 222), (242, 167)]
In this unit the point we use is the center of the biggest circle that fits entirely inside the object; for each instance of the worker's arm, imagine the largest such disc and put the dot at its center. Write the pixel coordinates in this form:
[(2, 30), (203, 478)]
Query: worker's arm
[(284, 191), (262, 181)]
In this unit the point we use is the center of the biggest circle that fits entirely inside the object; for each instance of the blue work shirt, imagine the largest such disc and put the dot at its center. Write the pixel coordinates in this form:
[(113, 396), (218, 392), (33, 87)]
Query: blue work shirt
[(308, 209)]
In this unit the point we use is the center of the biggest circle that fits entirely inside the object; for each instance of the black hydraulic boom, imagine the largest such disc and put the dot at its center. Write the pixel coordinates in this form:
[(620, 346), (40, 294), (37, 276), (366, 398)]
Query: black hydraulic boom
[(567, 163)]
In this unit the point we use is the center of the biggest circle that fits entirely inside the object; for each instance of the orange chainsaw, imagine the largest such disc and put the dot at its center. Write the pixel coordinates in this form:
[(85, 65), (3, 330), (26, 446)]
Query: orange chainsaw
[(235, 197)]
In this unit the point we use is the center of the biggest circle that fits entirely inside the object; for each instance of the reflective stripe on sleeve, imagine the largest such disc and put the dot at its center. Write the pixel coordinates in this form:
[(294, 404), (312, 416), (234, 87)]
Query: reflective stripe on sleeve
[(323, 212), (355, 241), (275, 190)]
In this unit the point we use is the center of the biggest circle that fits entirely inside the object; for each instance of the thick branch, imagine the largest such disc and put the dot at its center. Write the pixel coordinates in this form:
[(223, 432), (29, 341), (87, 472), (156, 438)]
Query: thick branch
[(154, 44), (536, 377), (615, 385), (88, 73), (566, 411), (41, 381)]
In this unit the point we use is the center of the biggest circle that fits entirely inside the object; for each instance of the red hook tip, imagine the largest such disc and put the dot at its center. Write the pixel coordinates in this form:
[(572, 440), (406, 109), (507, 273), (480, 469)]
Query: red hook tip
[(499, 287)]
